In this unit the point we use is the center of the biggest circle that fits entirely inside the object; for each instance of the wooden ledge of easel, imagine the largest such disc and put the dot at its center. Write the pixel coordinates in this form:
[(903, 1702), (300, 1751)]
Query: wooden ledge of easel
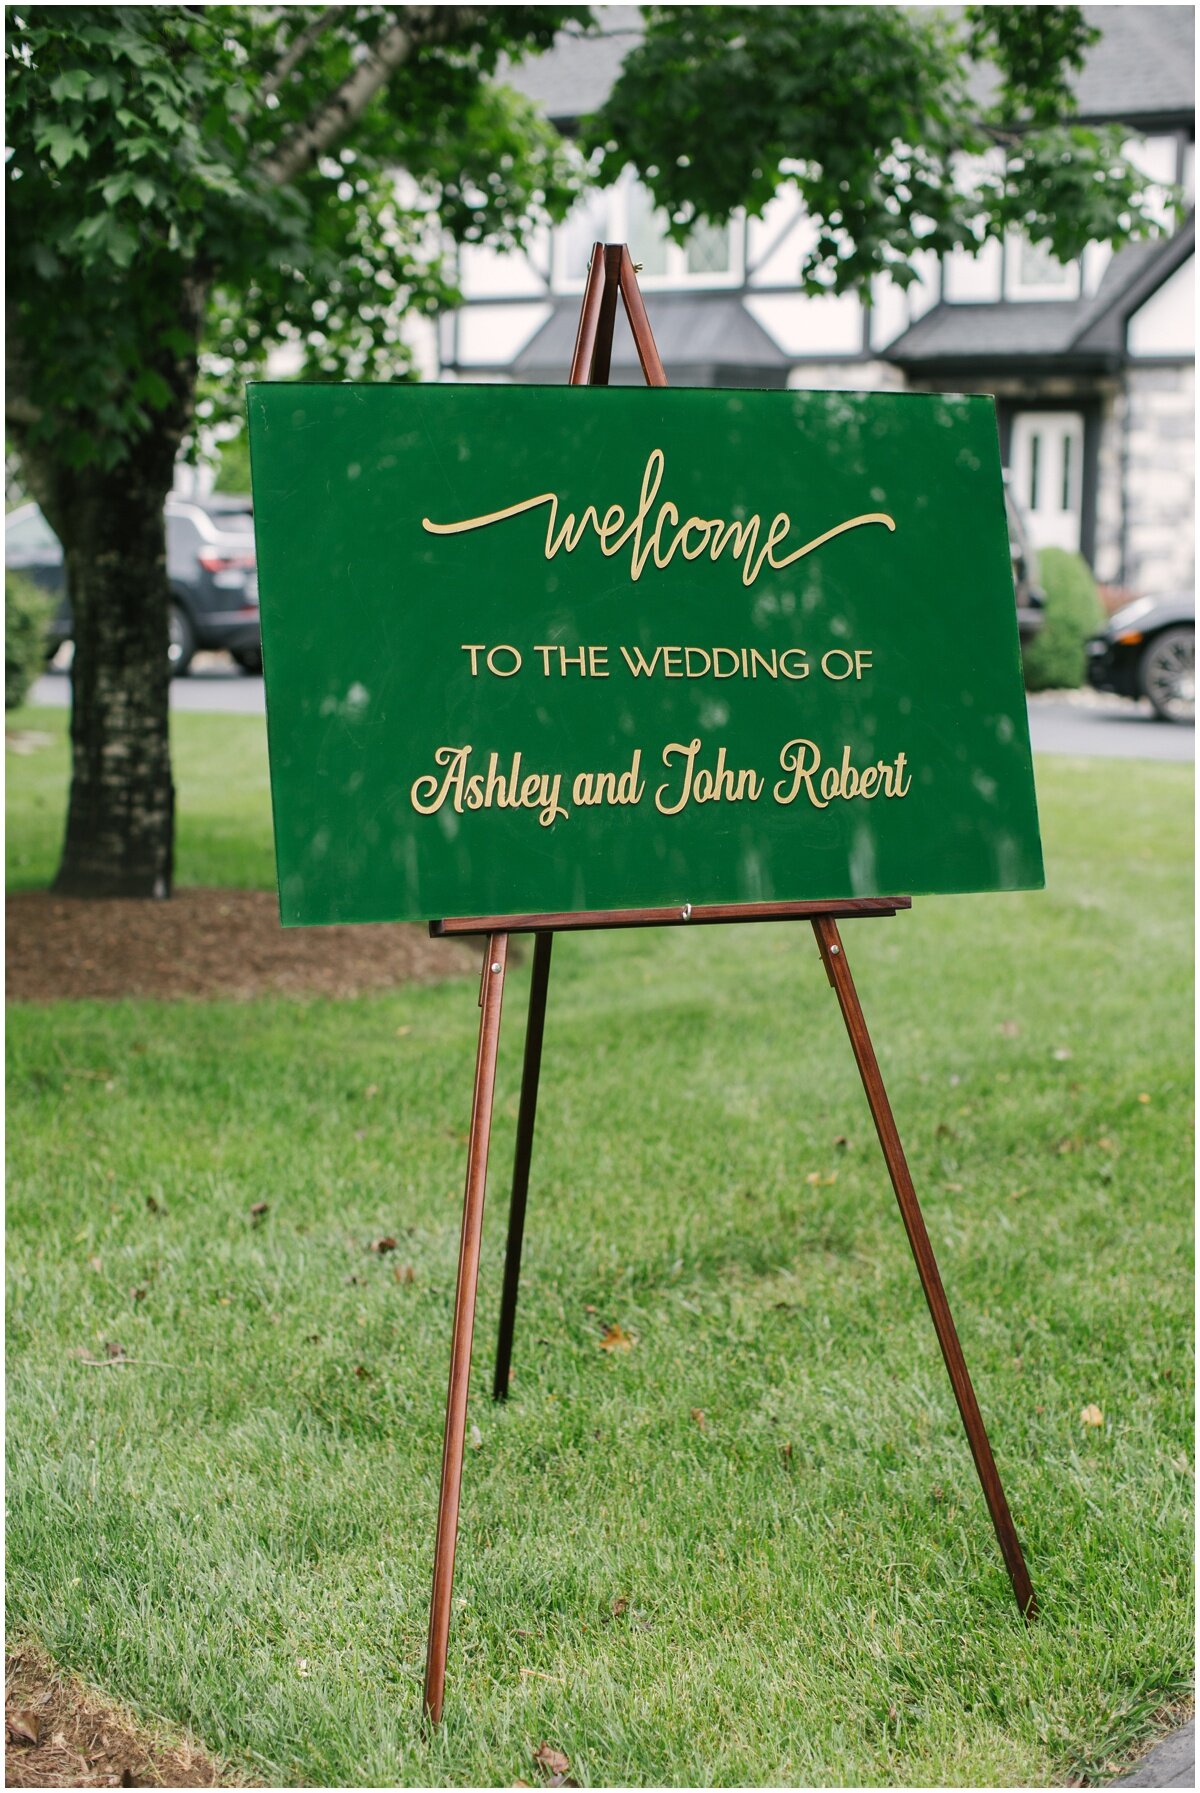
[(701, 915)]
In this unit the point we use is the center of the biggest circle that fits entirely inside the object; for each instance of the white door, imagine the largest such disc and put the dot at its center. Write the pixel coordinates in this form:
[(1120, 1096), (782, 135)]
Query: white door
[(1046, 465)]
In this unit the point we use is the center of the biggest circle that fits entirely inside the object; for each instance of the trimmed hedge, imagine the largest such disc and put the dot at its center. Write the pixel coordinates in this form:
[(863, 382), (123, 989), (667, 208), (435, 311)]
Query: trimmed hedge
[(26, 614), (1055, 658)]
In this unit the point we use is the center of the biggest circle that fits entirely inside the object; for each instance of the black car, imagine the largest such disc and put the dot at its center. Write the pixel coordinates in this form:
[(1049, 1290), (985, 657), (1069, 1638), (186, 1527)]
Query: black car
[(1148, 650), (210, 565)]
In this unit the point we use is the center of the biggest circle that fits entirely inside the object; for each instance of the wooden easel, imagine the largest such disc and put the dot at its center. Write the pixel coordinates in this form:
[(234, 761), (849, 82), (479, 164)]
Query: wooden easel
[(611, 272)]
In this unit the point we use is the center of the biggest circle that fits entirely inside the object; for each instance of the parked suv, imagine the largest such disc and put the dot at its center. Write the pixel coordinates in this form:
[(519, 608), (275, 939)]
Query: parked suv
[(211, 569)]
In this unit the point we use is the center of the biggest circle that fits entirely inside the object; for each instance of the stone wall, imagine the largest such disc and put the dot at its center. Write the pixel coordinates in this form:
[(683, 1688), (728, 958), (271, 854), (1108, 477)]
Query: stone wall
[(1160, 474), (1107, 562)]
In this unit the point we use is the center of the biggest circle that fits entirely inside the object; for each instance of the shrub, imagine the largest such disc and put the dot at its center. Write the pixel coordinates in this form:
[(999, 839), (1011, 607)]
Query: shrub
[(1055, 658), (26, 614)]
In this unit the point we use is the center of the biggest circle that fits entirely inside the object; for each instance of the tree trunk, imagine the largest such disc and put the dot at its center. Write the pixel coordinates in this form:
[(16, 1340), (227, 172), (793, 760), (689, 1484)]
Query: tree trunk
[(120, 819), (120, 835)]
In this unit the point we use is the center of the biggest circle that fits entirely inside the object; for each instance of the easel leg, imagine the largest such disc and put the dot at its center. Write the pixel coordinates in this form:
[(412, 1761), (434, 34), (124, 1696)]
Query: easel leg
[(490, 998), (834, 957), (522, 1157)]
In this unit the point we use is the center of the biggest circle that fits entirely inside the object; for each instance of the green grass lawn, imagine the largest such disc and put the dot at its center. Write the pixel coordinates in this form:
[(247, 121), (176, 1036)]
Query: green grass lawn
[(234, 1531)]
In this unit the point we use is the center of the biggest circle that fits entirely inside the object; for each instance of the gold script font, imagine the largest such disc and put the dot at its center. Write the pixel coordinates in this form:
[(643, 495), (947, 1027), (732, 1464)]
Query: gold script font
[(668, 534)]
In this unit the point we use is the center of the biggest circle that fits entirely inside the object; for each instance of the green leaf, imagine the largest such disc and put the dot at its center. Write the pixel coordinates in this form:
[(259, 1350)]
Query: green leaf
[(72, 84), (45, 261), (153, 388), (62, 143)]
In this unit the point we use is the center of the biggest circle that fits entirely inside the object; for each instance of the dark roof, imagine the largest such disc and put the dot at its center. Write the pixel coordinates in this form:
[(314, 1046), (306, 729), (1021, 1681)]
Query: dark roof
[(1144, 65), (697, 335), (1065, 329), (1142, 68), (577, 75)]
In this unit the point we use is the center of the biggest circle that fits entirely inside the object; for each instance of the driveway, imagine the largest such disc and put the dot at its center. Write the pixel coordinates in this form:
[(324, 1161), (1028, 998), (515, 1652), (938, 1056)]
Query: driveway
[(1078, 722), (1094, 722)]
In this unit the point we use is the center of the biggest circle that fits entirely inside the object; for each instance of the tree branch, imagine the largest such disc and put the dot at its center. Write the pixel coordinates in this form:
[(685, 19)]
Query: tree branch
[(298, 48), (420, 25)]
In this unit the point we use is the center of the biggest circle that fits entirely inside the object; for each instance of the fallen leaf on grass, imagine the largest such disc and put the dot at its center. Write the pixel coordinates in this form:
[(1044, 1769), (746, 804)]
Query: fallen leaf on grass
[(1009, 1029), (616, 1339), (1091, 1416), (372, 1089), (619, 1605), (137, 1295), (551, 1759), (404, 1273), (1144, 1097), (112, 1349), (476, 1439), (259, 1209), (302, 1668), (785, 1451), (698, 1416), (361, 1371), (817, 1181), (382, 1245), (96, 1265), (153, 1206), (23, 1726)]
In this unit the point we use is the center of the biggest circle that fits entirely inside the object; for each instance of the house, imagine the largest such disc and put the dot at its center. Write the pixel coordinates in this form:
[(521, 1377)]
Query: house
[(1091, 363)]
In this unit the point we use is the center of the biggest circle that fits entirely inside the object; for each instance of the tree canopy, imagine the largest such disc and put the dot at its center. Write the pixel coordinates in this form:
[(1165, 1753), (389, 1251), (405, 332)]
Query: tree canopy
[(872, 111), (188, 185), (248, 156)]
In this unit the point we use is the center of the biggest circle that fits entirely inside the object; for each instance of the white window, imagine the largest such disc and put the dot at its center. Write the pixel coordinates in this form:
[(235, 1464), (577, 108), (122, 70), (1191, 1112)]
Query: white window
[(1032, 272), (1046, 457), (626, 213)]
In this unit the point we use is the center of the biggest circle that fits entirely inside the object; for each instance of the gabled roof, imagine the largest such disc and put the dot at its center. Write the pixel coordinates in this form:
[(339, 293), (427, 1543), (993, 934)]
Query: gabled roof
[(1078, 330), (1144, 65), (577, 75), (698, 335), (1142, 68)]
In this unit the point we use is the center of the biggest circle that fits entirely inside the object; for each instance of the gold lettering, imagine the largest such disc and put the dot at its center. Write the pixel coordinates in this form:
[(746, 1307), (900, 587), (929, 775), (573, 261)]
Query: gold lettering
[(712, 536)]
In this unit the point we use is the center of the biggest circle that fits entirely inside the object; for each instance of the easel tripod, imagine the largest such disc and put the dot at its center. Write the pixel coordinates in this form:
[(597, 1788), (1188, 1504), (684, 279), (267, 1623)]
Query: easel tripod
[(612, 273)]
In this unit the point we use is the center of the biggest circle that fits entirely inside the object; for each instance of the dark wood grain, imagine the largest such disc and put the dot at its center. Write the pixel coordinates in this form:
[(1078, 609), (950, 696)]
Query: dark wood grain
[(639, 323), (589, 319), (686, 915), (491, 997), (602, 357), (833, 956), (522, 1158)]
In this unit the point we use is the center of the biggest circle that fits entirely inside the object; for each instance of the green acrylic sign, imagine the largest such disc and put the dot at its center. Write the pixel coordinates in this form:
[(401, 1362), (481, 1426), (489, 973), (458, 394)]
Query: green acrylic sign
[(564, 649)]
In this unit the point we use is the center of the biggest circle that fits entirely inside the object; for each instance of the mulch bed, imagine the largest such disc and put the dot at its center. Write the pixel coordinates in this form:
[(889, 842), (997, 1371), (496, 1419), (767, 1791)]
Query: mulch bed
[(207, 944), (59, 1733)]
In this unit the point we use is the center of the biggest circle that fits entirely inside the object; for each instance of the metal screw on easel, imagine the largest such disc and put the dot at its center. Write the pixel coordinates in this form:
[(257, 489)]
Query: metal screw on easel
[(833, 949), (496, 965), (685, 914)]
